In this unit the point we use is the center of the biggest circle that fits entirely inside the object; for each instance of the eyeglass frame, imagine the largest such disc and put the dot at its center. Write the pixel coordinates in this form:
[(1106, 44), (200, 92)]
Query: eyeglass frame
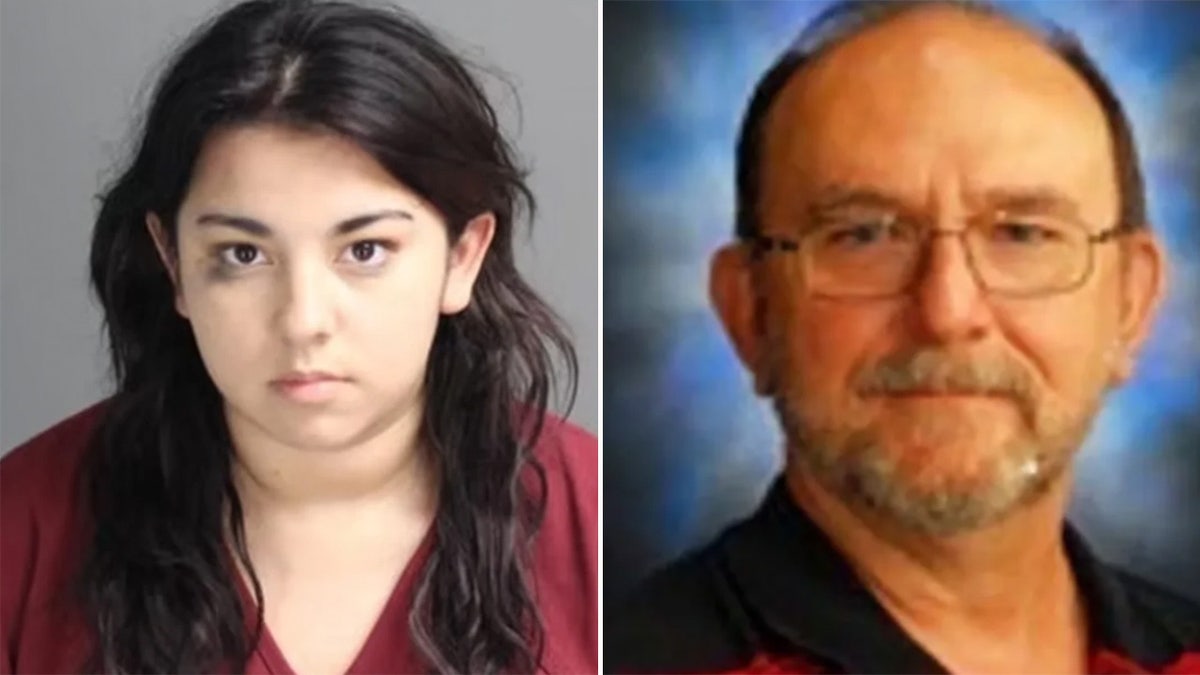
[(767, 244)]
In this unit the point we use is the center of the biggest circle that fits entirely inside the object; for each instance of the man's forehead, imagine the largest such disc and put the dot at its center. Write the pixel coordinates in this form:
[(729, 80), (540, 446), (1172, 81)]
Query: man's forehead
[(934, 88), (943, 43)]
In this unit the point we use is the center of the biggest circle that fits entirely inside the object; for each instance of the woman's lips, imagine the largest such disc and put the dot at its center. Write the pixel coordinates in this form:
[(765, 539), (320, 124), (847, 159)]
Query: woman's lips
[(309, 387)]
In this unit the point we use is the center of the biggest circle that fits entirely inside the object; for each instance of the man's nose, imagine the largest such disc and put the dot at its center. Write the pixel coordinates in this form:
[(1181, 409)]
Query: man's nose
[(951, 304)]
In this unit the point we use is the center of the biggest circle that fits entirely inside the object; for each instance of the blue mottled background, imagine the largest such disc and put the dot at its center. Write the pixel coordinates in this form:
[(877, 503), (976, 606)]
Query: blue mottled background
[(688, 448)]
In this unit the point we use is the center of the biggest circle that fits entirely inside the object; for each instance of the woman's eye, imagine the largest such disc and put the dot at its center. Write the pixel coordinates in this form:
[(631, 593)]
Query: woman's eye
[(367, 253), (241, 255)]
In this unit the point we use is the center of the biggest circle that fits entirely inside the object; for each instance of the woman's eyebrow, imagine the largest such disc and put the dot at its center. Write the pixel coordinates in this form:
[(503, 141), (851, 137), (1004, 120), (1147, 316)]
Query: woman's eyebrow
[(258, 228), (358, 222)]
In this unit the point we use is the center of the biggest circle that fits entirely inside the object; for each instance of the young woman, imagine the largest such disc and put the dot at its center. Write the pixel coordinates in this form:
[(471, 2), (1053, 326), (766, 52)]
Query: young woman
[(328, 449)]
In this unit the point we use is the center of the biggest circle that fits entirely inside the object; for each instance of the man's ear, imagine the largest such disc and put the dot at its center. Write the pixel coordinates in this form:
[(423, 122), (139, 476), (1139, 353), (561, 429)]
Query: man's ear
[(168, 257), (466, 259), (734, 295), (1142, 285)]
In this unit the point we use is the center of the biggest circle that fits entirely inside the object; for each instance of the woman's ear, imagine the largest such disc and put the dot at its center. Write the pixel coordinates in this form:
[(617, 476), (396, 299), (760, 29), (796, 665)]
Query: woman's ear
[(167, 255), (466, 259)]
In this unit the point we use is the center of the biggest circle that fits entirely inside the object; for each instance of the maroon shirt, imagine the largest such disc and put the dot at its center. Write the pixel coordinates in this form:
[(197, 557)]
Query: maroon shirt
[(41, 545)]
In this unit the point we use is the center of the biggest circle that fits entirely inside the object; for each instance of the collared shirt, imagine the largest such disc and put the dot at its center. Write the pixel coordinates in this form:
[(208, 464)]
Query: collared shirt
[(42, 526), (773, 595)]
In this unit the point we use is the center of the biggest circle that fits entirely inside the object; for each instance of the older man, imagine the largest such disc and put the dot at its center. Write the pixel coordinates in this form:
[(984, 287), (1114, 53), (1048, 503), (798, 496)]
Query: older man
[(944, 263)]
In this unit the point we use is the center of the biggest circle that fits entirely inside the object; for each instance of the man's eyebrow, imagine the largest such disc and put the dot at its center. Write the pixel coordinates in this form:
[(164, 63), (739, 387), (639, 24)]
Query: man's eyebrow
[(1019, 200), (840, 196), (1039, 199), (258, 228)]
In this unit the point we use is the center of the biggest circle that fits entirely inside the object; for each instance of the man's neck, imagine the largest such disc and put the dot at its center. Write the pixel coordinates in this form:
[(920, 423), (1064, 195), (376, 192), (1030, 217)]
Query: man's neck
[(1001, 598)]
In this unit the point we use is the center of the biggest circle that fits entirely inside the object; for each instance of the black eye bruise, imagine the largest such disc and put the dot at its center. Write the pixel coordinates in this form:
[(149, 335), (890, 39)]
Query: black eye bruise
[(219, 270)]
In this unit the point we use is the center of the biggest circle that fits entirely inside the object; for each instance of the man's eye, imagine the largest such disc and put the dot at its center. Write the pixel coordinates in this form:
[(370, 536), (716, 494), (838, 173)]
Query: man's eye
[(857, 234), (1016, 232), (860, 234)]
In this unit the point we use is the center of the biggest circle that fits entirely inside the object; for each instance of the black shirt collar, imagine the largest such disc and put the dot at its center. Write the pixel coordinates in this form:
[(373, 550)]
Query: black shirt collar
[(800, 587), (1118, 620)]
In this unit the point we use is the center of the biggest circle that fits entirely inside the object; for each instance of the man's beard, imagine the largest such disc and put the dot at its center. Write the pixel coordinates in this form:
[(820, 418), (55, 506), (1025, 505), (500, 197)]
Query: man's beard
[(852, 460)]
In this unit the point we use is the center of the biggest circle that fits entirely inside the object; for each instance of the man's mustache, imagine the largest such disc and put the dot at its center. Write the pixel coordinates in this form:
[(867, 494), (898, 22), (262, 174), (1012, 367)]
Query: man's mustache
[(936, 371)]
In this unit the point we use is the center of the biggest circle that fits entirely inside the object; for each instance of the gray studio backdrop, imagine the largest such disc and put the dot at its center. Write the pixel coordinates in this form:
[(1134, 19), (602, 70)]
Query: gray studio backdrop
[(71, 76)]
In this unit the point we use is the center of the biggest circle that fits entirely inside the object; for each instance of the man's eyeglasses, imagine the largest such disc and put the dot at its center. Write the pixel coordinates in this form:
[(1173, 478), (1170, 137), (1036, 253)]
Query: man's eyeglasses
[(875, 255)]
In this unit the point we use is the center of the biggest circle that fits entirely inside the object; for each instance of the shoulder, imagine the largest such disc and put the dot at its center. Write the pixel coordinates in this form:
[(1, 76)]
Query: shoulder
[(569, 532), (569, 458), (682, 618), (681, 598), (566, 562), (39, 536), (40, 473), (567, 449), (1175, 614)]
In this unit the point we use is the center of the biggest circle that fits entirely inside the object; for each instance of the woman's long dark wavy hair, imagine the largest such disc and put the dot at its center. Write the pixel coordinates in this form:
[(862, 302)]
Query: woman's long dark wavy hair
[(156, 581)]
